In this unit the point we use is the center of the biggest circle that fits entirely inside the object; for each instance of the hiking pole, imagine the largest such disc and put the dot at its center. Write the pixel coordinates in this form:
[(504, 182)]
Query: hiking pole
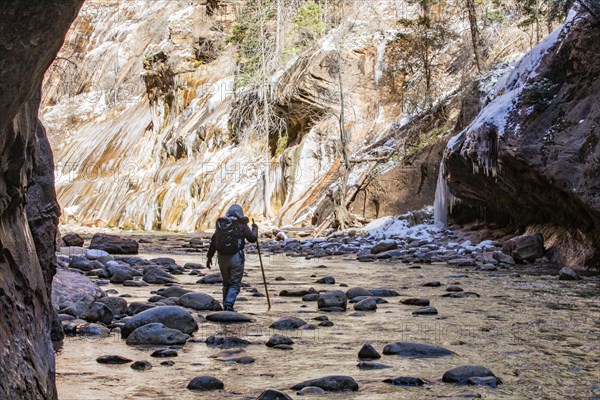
[(262, 268)]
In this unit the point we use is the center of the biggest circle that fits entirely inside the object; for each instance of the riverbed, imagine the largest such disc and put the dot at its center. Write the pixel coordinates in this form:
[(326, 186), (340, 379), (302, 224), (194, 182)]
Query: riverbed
[(541, 336)]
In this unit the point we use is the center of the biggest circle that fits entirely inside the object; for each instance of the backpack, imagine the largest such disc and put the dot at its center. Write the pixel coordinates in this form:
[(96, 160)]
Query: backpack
[(227, 239)]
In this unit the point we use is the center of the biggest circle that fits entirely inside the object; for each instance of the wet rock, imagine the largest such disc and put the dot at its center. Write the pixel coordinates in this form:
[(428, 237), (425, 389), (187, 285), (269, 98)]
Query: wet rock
[(83, 264), (484, 381), (156, 334), (296, 292), (416, 350), (425, 311), (525, 248), (280, 278), (114, 244), (113, 359), (277, 339), (327, 280), (405, 381), (211, 279), (120, 275), (287, 323), (326, 324), (368, 304), (199, 302), (164, 353), (73, 240), (271, 394), (462, 374), (158, 276), (461, 295), (369, 365), (91, 330), (137, 307), (462, 262), (378, 300), (141, 365), (100, 312), (226, 342), (432, 284), (205, 383), (172, 291), (162, 260), (310, 297), (415, 302), (283, 347), (170, 316), (454, 289), (384, 293), (503, 258), (384, 245), (357, 291), (487, 267), (167, 363), (228, 317), (70, 287), (567, 274), (335, 298), (190, 265), (333, 383), (77, 310), (368, 352)]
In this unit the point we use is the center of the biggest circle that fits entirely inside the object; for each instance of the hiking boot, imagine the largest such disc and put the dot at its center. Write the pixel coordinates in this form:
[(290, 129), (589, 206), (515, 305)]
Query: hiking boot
[(228, 307)]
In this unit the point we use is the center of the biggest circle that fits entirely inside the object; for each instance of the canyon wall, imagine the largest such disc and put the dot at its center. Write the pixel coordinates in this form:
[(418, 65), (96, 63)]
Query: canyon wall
[(531, 156), (31, 35)]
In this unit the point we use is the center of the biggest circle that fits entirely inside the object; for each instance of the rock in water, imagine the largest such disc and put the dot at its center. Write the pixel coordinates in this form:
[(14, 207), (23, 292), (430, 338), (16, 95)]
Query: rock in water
[(141, 365), (368, 352), (277, 339), (328, 280), (112, 360), (333, 383), (100, 312), (415, 302), (170, 316), (405, 381), (70, 287), (287, 323), (525, 248), (425, 311), (416, 350), (200, 302), (357, 291), (271, 394), (117, 305), (159, 276), (211, 279), (368, 304), (205, 383), (114, 244), (369, 365), (228, 317), (226, 342), (333, 299), (164, 353), (567, 274), (311, 391), (461, 375), (172, 291), (156, 334)]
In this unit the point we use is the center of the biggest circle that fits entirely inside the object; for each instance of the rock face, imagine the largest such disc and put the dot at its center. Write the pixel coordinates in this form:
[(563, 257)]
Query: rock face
[(532, 156), (114, 244), (31, 35)]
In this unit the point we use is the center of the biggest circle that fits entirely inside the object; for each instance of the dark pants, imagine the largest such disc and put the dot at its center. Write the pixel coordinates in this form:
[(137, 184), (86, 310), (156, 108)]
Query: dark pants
[(232, 270)]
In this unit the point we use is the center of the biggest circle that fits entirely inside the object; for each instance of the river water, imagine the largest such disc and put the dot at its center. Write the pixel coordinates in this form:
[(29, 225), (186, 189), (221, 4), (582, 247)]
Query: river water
[(540, 335)]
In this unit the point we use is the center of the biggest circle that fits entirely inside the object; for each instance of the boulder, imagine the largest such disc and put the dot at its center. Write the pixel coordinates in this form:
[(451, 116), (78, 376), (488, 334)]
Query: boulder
[(100, 312), (357, 291), (211, 279), (416, 350), (336, 298), (287, 323), (73, 240), (70, 287), (159, 276), (503, 258), (117, 305), (199, 302), (461, 375), (228, 317), (567, 274), (141, 365), (525, 248), (277, 339), (114, 244), (384, 245), (226, 342), (170, 316), (368, 352), (384, 292), (368, 304), (156, 334), (205, 383), (172, 291), (405, 381), (136, 307), (333, 383)]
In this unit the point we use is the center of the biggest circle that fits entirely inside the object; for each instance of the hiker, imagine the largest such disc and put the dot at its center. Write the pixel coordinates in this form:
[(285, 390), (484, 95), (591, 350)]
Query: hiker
[(228, 242)]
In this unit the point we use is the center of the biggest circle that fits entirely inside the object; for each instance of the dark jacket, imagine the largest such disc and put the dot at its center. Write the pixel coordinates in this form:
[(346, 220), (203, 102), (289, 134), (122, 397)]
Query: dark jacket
[(241, 229)]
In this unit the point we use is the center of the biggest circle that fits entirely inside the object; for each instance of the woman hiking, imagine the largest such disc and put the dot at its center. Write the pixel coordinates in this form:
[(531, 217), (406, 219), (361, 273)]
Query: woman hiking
[(228, 242)]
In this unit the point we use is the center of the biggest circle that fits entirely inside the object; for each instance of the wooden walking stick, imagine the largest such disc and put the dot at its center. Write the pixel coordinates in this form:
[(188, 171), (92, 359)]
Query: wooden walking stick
[(262, 268)]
